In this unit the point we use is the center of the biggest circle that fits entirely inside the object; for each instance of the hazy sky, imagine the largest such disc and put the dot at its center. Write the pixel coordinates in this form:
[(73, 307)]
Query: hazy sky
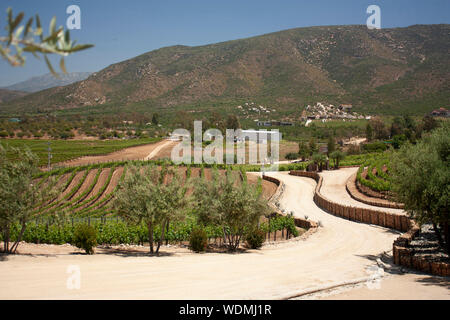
[(122, 29)]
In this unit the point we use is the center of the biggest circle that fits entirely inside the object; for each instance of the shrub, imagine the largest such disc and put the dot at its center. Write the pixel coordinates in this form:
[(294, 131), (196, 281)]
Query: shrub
[(292, 156), (255, 238), (198, 240), (85, 237), (377, 146)]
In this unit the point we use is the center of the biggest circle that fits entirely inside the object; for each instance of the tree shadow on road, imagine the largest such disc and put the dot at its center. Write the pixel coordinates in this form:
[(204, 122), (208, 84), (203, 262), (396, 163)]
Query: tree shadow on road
[(429, 280)]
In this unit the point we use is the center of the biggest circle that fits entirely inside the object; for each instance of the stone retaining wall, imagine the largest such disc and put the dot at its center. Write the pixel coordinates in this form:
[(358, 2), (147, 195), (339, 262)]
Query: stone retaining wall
[(402, 254), (381, 218), (355, 193)]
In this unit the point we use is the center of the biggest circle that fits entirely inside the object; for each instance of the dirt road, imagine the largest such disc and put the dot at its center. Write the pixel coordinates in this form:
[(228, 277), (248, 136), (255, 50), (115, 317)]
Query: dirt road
[(340, 252), (333, 187), (148, 151)]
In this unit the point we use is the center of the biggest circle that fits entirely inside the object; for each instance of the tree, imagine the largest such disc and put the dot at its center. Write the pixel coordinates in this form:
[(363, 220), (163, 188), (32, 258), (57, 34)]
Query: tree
[(397, 127), (312, 146), (232, 122), (421, 180), (155, 119), (331, 145), (303, 151), (152, 196), (20, 194), (319, 159), (28, 39), (379, 129), (429, 123), (337, 157), (234, 207), (369, 132)]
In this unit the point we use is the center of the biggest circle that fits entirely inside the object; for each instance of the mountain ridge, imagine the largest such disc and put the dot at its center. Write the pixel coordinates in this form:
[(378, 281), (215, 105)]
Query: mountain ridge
[(389, 70), (46, 81)]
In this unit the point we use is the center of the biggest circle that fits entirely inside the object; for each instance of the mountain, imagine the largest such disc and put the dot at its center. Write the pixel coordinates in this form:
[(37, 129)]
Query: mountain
[(46, 81), (8, 95), (399, 70)]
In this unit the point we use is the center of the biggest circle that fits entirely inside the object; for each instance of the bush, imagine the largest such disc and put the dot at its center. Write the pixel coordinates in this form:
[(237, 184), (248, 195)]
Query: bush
[(292, 156), (255, 238), (198, 240), (378, 146), (85, 237)]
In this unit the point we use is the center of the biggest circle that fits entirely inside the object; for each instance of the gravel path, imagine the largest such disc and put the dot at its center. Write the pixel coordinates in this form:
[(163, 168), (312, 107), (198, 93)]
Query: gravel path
[(339, 252), (333, 187)]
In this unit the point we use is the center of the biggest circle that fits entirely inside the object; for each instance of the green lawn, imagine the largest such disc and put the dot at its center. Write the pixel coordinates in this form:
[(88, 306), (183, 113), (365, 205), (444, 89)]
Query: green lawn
[(63, 150)]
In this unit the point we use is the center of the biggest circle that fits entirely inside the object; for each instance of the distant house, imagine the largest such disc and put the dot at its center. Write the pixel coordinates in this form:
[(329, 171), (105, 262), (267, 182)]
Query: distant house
[(441, 112), (346, 107)]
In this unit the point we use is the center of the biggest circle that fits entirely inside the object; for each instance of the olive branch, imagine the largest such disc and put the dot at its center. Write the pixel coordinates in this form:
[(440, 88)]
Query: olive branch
[(26, 38)]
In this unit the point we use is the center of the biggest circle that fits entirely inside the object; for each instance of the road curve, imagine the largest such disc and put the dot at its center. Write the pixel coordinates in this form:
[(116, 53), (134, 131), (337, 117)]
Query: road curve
[(341, 251), (333, 187)]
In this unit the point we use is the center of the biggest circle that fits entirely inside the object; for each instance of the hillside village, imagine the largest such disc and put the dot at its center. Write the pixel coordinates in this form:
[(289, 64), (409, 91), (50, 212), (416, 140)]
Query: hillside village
[(328, 111)]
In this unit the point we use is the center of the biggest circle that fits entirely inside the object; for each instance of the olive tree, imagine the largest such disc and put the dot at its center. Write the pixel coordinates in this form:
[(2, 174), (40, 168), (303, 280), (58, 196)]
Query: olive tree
[(421, 180), (235, 207), (337, 157), (152, 196), (20, 193), (319, 159)]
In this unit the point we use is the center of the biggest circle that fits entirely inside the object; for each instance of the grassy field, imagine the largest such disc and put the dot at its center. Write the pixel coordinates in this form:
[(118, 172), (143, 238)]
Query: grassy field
[(63, 150)]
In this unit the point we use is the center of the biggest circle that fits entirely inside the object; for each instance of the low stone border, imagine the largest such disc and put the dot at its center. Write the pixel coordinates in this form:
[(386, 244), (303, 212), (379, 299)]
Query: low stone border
[(367, 191), (310, 226), (355, 193), (380, 218), (404, 255)]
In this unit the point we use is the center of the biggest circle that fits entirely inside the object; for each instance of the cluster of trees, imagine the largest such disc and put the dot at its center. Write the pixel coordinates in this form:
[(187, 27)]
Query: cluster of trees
[(105, 127), (19, 193), (311, 151), (420, 176), (215, 120), (401, 129), (159, 197)]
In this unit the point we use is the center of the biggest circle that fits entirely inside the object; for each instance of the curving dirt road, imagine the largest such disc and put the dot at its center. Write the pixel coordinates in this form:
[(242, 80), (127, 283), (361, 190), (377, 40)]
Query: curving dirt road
[(339, 252), (333, 187)]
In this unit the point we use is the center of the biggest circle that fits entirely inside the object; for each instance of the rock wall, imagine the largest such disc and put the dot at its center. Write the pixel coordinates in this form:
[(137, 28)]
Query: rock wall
[(403, 255)]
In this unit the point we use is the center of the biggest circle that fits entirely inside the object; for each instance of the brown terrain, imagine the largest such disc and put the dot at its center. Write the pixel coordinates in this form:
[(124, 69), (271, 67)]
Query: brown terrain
[(144, 152)]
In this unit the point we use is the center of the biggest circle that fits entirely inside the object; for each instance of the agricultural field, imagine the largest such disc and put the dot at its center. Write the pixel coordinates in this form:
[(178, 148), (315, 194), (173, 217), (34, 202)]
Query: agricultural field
[(63, 150), (86, 196), (374, 174)]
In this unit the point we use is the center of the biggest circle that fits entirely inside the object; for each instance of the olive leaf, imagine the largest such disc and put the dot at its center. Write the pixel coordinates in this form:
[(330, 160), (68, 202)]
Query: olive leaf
[(25, 38)]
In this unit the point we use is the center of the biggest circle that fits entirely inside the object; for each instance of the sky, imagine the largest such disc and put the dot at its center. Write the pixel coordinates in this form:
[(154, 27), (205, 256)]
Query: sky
[(123, 29)]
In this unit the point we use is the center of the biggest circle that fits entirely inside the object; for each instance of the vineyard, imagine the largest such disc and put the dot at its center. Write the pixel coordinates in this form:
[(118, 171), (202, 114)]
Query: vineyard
[(85, 198), (375, 176), (114, 231)]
